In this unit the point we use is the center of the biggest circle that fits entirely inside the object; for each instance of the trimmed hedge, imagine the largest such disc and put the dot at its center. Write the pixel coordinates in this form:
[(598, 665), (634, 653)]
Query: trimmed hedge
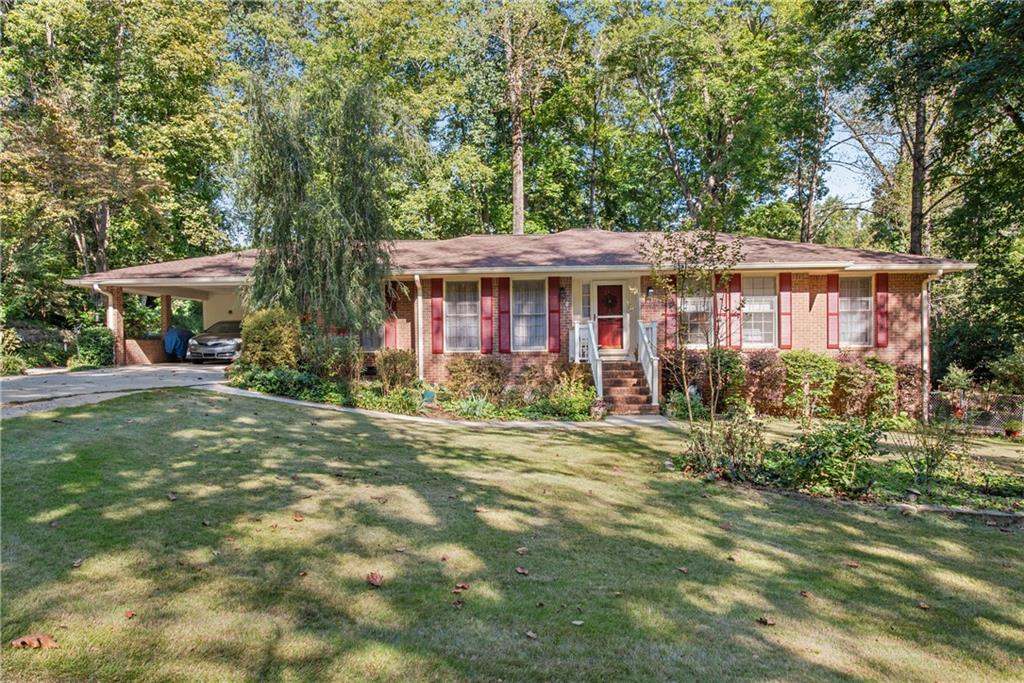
[(271, 339), (95, 347), (809, 380)]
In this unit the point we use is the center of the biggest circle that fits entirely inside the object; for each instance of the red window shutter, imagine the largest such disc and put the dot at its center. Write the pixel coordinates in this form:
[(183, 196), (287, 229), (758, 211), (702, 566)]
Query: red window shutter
[(486, 315), (832, 312), (437, 315), (554, 315), (881, 310), (736, 311), (391, 323), (785, 310), (504, 316), (671, 314), (721, 311)]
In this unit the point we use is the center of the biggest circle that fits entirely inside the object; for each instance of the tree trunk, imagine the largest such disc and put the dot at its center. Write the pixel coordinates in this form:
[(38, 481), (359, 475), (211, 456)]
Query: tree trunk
[(101, 228), (515, 93), (919, 178), (807, 218)]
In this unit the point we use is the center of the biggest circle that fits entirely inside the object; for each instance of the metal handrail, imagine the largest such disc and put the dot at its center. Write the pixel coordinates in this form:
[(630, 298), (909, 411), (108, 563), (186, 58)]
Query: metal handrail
[(595, 358)]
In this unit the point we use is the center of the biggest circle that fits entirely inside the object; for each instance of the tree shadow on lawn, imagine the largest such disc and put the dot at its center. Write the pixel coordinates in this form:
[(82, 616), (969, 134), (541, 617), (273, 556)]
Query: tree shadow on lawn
[(258, 594)]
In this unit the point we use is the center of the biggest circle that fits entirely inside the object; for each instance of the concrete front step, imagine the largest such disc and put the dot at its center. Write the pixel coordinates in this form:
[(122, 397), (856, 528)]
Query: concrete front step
[(634, 409), (627, 391)]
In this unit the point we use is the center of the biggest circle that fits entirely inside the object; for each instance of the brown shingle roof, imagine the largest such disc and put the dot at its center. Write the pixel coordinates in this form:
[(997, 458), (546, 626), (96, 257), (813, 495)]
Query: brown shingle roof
[(567, 250)]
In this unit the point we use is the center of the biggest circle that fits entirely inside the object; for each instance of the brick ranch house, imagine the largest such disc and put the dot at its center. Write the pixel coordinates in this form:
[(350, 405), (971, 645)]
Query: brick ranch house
[(587, 296)]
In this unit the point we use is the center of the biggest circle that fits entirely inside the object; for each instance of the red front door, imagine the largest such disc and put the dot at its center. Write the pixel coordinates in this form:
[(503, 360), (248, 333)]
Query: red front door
[(609, 316)]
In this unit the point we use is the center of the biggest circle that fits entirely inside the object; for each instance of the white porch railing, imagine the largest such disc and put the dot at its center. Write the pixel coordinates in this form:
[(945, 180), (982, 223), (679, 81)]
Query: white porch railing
[(584, 350), (647, 355)]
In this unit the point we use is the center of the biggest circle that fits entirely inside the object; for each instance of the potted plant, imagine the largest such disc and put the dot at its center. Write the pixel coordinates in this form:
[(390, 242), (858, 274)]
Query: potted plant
[(1013, 428)]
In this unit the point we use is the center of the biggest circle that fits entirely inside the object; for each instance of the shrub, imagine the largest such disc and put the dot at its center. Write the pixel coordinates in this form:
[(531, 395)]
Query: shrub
[(765, 385), (726, 372), (95, 347), (10, 342), (827, 460), (675, 407), (479, 408), (371, 396), (569, 399), (1013, 426), (927, 449), (723, 367), (45, 354), (809, 380), (12, 365), (331, 356), (290, 383), (956, 379), (271, 339), (733, 448), (1008, 372), (477, 376), (852, 388), (882, 402), (396, 369)]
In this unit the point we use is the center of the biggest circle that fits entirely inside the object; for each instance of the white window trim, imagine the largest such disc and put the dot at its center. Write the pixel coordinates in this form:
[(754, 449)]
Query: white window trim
[(778, 315), (444, 299), (511, 314), (870, 343), (680, 313)]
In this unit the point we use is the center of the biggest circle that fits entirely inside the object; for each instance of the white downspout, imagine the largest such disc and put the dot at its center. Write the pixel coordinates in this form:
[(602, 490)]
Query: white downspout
[(418, 318), (110, 305), (926, 346)]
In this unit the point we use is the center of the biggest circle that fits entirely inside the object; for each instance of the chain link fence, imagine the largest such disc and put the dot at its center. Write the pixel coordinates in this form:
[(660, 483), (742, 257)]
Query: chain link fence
[(980, 410)]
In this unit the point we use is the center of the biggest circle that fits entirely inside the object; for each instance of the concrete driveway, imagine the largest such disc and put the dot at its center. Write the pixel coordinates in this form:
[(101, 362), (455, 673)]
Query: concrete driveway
[(30, 393)]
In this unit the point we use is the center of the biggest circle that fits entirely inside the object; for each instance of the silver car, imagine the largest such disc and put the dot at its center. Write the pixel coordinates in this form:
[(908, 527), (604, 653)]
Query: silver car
[(219, 341)]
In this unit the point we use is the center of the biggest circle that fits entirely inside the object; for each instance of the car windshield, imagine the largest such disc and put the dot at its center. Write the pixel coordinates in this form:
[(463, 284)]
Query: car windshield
[(225, 327)]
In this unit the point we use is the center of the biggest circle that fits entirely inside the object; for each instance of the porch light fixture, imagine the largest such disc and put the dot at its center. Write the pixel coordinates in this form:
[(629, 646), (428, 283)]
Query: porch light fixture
[(561, 293), (650, 292)]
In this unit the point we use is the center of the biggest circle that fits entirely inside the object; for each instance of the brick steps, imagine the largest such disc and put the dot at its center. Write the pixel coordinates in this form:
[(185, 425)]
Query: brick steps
[(625, 389)]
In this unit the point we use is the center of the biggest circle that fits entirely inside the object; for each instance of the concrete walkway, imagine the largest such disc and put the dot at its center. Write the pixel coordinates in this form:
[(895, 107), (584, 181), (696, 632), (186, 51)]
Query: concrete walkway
[(30, 393), (610, 421)]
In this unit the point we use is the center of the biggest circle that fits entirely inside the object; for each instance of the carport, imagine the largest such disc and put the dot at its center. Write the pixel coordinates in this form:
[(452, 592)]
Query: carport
[(213, 280)]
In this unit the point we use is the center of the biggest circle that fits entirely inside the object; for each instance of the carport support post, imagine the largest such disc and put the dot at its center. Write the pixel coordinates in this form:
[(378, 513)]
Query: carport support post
[(115, 321), (165, 314)]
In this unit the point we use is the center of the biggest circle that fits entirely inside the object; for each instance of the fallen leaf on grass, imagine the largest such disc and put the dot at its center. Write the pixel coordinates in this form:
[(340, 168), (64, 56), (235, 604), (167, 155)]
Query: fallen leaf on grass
[(172, 496), (923, 605), (375, 579), (522, 570), (522, 551), (479, 508), (684, 570), (302, 573), (852, 564), (806, 594), (457, 604), (766, 620), (461, 586), (577, 623), (531, 635), (128, 614), (297, 517), (727, 526), (34, 641), (379, 499), (731, 558), (78, 563)]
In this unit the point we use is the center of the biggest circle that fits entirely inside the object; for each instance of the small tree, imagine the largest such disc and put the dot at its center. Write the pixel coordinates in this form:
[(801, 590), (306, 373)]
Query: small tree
[(684, 264)]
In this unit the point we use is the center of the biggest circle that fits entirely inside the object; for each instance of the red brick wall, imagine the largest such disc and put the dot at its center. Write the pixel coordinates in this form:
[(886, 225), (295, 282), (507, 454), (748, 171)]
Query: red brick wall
[(145, 352), (405, 314), (809, 308), (435, 364)]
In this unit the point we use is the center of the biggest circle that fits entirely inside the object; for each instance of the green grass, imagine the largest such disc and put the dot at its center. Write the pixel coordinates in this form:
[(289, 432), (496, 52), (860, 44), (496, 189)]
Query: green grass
[(606, 527)]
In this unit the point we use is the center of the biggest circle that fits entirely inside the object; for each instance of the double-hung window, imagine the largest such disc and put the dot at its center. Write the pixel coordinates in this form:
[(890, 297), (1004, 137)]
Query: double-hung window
[(372, 340), (760, 311), (462, 315), (695, 313), (855, 311), (529, 315)]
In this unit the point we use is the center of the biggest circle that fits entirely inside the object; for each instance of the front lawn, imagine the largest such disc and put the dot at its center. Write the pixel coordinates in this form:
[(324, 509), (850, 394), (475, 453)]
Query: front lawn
[(257, 567)]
